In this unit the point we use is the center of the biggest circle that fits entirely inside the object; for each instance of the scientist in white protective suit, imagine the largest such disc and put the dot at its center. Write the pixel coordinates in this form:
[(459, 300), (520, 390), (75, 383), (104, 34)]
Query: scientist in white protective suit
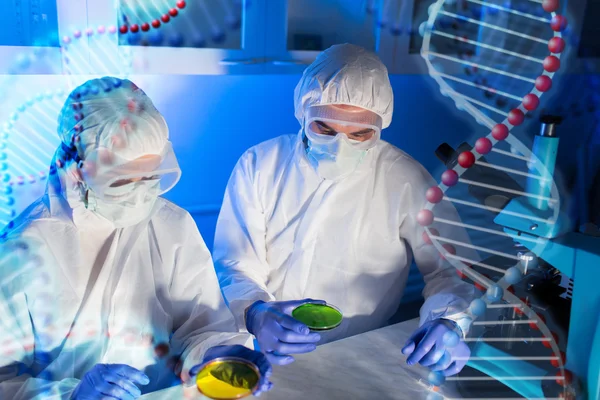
[(134, 290), (330, 214)]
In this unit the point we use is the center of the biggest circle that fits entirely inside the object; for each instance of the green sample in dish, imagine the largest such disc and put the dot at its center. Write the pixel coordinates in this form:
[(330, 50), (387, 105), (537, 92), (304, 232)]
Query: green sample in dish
[(318, 317)]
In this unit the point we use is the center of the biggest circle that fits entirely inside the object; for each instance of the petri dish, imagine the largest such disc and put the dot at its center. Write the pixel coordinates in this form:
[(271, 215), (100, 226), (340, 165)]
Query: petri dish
[(227, 378), (318, 317)]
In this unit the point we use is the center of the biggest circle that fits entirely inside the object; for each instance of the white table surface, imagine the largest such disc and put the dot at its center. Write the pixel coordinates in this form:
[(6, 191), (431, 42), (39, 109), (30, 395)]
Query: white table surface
[(369, 366)]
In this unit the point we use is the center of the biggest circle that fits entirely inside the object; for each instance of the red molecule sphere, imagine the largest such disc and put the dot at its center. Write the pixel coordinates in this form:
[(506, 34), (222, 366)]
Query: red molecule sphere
[(543, 83), (161, 350), (558, 23), (145, 27), (548, 343), (500, 132), (450, 178), (156, 23), (181, 4), (565, 378), (535, 325), (434, 195), (460, 274), (551, 64), (427, 238), (165, 18), (531, 102), (425, 217), (173, 12), (134, 28), (483, 146), (516, 117), (466, 159), (556, 45), (555, 363), (123, 29), (550, 5)]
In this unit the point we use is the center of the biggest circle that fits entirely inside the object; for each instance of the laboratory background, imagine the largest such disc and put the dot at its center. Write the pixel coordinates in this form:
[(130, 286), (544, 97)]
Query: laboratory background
[(223, 73)]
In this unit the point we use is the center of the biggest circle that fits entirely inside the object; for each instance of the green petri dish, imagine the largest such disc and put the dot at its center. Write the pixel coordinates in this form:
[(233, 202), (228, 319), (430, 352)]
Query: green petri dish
[(318, 317), (227, 378)]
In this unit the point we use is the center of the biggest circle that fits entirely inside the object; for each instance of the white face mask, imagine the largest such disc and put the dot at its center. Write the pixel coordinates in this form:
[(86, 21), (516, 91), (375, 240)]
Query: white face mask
[(125, 205), (336, 156)]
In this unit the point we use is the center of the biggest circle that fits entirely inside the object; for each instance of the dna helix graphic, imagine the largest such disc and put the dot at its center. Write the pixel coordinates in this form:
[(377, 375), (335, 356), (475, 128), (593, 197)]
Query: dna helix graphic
[(518, 52), (183, 24)]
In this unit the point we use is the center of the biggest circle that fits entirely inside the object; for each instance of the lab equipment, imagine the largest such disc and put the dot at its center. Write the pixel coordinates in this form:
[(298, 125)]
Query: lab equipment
[(318, 317), (232, 371), (227, 378), (111, 380), (577, 256), (278, 333), (309, 245)]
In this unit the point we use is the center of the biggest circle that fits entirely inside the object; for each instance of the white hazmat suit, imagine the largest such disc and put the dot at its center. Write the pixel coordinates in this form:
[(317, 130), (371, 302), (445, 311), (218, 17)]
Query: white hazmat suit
[(285, 233), (117, 292)]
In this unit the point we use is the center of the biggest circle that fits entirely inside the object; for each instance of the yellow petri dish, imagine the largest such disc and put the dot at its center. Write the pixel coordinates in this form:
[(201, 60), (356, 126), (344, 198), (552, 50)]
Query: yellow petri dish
[(227, 378)]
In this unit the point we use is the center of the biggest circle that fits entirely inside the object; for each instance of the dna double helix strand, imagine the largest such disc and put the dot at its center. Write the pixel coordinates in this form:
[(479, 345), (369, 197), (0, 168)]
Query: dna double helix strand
[(195, 24), (94, 51), (517, 51), (28, 138)]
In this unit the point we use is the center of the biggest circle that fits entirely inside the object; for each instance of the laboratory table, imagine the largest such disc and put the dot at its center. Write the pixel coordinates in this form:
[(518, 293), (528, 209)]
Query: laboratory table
[(369, 366)]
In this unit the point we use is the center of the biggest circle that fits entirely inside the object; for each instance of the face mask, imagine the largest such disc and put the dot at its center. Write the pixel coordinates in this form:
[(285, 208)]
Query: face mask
[(334, 157), (125, 205)]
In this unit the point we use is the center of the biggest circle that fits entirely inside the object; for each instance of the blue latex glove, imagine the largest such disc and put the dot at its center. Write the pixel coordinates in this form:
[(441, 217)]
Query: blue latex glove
[(110, 381), (279, 334), (255, 357), (437, 345)]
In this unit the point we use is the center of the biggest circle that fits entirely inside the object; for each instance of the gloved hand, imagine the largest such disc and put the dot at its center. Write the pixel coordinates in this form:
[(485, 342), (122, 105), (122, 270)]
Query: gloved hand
[(437, 345), (255, 357), (110, 381), (279, 334)]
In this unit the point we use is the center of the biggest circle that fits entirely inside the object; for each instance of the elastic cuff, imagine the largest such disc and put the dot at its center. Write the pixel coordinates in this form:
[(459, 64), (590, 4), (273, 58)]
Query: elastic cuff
[(249, 315)]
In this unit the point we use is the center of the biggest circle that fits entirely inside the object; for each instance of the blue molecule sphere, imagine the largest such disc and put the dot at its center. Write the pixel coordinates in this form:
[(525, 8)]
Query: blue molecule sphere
[(3, 167), (6, 177), (434, 396), (8, 190), (10, 201), (134, 38), (396, 30), (176, 40), (478, 307), (233, 22), (436, 378), (3, 156), (451, 339), (494, 293), (156, 38), (198, 41), (21, 108), (219, 37), (513, 275)]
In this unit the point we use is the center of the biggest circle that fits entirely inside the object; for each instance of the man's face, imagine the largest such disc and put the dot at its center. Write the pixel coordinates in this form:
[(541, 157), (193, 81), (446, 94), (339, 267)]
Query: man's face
[(352, 132)]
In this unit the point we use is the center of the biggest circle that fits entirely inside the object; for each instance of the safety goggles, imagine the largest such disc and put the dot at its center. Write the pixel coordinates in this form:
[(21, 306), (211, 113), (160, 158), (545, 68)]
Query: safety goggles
[(317, 117), (104, 171)]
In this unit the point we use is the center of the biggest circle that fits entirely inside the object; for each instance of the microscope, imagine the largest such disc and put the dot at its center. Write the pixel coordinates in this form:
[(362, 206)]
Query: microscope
[(569, 268)]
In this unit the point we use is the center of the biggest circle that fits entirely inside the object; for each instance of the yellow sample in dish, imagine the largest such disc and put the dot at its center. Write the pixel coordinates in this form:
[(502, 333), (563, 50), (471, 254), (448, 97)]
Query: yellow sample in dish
[(227, 379)]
